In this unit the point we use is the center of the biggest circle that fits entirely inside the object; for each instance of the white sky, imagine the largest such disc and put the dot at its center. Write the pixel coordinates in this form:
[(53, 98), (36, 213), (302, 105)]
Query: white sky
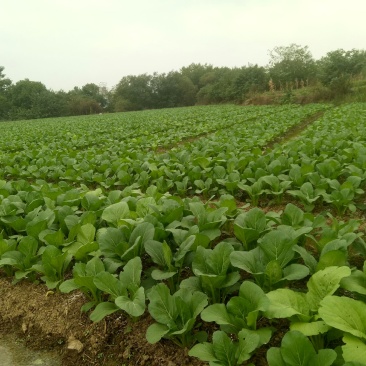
[(67, 43)]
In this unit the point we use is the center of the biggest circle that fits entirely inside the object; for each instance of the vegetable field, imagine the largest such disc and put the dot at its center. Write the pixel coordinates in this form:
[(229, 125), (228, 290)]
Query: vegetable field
[(220, 224)]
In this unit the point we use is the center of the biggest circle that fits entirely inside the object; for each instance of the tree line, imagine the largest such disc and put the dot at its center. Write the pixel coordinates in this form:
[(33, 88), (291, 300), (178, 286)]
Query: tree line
[(291, 67)]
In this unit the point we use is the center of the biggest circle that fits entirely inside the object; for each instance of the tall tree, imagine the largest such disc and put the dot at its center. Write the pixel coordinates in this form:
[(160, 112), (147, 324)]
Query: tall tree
[(249, 79), (173, 90), (195, 73), (4, 101), (133, 93), (31, 99), (341, 63), (291, 63)]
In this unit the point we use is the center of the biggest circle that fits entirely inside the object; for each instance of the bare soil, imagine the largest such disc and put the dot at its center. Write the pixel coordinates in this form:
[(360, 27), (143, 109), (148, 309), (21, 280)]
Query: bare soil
[(53, 321)]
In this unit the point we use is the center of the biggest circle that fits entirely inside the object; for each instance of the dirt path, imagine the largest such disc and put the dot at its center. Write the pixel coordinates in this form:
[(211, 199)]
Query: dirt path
[(5, 356), (53, 322), (13, 352)]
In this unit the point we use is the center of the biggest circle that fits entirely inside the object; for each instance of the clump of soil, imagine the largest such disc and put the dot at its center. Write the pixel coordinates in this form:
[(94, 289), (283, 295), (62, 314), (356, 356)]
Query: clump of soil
[(53, 321)]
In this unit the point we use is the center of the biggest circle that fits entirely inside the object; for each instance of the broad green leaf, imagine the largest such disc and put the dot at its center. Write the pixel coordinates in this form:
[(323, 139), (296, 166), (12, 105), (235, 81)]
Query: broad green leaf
[(162, 305), (324, 283), (295, 272), (102, 310), (217, 313), (285, 303), (224, 348), (106, 282), (251, 261), (155, 332), (325, 357), (203, 351), (355, 283), (354, 349), (86, 234), (310, 329), (116, 212), (345, 314), (134, 306), (131, 274), (296, 349), (155, 251), (278, 245), (246, 346), (274, 357)]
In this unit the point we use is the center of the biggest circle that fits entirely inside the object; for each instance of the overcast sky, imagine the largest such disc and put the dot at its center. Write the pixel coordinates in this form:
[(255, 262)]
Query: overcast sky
[(67, 43)]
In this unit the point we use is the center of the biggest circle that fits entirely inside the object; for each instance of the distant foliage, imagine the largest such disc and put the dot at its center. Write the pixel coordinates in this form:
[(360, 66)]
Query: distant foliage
[(290, 68)]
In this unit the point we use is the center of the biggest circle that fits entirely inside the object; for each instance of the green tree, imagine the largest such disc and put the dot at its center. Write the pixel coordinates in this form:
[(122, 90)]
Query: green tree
[(173, 90), (31, 99), (252, 79), (4, 101), (95, 92), (195, 72), (340, 63), (83, 100), (133, 93), (290, 64), (218, 86)]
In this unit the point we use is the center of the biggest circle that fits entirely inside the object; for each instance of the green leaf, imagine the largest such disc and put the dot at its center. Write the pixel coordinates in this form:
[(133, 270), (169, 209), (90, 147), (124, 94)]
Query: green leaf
[(159, 275), (155, 332), (106, 282), (346, 314), (296, 349), (295, 272), (86, 234), (324, 283), (325, 357), (162, 306), (224, 348), (278, 245), (155, 251), (203, 351), (285, 303), (246, 346), (355, 283), (116, 212), (102, 310), (217, 313), (292, 216), (354, 349), (68, 286), (134, 306), (274, 357), (131, 274), (310, 329)]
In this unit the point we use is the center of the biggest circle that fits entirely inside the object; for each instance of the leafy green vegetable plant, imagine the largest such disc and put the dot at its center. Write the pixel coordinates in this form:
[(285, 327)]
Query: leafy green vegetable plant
[(54, 264), (125, 292), (223, 351), (241, 312), (83, 280), (297, 350), (214, 275), (303, 308), (175, 315), (270, 262)]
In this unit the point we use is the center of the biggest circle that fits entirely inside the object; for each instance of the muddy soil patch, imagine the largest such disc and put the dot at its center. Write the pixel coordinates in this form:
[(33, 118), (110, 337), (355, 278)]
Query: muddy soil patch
[(53, 321)]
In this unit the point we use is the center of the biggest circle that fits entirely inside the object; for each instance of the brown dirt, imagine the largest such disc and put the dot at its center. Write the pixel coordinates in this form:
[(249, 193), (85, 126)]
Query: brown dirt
[(54, 322)]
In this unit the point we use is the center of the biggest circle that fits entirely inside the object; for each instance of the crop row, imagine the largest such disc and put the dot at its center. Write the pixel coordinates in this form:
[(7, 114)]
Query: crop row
[(125, 156), (190, 264)]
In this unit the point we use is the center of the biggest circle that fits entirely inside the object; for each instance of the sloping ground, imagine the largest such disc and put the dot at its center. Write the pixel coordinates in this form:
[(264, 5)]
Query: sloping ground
[(54, 322)]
